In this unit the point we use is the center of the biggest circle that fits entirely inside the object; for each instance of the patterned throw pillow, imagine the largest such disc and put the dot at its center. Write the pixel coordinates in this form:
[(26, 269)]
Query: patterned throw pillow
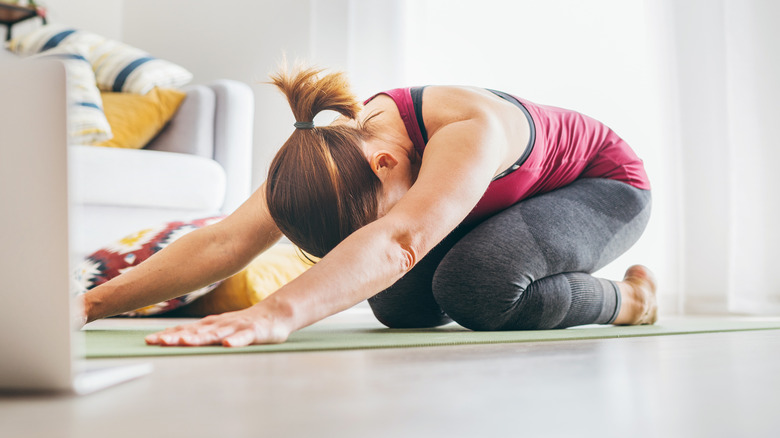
[(129, 252), (87, 123)]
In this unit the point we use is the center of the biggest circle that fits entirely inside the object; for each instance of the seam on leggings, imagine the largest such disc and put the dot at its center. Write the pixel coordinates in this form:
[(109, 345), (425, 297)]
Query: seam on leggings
[(618, 302)]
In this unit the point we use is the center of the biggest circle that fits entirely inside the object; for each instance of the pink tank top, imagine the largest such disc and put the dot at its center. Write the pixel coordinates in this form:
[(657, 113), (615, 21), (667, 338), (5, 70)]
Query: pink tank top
[(566, 146)]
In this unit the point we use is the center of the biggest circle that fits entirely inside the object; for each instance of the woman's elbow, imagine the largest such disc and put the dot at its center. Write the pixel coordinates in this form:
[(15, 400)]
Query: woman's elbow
[(408, 257), (404, 251)]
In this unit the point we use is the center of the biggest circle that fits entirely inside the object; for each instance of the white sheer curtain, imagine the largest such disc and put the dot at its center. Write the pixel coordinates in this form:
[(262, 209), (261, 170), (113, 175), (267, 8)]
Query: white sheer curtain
[(689, 84), (724, 62)]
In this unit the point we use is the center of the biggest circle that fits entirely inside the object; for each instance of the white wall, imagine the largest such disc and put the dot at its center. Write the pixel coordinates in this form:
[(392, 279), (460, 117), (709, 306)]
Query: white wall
[(363, 38), (100, 16), (103, 17)]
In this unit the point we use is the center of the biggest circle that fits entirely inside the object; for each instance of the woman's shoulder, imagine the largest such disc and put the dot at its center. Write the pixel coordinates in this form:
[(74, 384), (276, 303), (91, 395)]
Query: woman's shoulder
[(446, 104), (441, 105), (459, 98), (438, 97)]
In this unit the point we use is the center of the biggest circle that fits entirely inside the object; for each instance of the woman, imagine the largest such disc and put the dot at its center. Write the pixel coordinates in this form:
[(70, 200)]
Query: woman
[(435, 204)]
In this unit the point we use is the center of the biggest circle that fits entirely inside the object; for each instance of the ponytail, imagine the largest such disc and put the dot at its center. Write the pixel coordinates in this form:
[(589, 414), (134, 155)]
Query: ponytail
[(308, 94), (320, 187)]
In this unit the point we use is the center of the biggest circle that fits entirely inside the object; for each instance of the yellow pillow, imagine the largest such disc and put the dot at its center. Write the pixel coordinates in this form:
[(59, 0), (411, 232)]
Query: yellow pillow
[(135, 119), (268, 272)]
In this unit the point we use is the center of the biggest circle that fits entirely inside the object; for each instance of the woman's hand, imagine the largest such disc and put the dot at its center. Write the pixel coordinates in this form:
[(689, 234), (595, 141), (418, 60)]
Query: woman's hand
[(233, 329)]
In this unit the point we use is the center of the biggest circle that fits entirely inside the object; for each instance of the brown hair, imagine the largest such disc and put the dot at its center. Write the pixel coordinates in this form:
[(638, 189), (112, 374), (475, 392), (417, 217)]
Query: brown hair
[(320, 187)]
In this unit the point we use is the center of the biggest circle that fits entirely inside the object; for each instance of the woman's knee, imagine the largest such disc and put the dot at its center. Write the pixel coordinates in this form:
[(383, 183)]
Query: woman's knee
[(398, 313), (470, 308), (476, 293)]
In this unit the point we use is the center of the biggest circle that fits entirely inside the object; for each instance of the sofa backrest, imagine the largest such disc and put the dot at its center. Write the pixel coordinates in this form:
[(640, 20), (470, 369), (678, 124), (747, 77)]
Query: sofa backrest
[(191, 130)]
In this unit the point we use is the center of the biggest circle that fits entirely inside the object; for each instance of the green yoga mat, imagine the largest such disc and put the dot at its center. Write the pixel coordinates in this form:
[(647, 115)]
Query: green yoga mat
[(130, 342)]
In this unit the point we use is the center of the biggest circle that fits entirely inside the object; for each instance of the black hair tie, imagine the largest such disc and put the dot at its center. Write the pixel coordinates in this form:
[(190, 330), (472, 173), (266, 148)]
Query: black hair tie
[(304, 125)]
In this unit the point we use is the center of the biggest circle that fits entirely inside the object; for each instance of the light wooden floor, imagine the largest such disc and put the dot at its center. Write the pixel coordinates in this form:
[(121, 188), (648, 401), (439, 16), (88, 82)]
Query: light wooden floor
[(700, 385)]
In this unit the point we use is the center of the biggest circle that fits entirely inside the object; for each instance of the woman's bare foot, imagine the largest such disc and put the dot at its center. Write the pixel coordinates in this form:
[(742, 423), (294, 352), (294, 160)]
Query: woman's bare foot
[(637, 292)]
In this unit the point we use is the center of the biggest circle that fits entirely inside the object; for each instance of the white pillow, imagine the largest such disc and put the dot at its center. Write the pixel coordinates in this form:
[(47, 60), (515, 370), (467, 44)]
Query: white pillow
[(87, 124)]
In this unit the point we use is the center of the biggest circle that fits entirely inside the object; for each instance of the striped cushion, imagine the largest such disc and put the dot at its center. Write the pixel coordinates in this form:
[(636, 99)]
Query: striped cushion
[(51, 36), (121, 68), (118, 67), (87, 124)]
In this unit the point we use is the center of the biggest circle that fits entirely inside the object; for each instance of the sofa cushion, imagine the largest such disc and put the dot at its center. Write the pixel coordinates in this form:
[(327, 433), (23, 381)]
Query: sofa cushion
[(135, 119), (128, 252), (143, 178)]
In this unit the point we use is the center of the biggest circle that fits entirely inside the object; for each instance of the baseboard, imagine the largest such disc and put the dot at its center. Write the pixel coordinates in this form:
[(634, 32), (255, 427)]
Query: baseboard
[(705, 305)]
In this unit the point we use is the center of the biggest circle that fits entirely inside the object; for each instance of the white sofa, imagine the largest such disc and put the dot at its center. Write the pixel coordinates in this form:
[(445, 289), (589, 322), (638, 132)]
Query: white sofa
[(198, 166)]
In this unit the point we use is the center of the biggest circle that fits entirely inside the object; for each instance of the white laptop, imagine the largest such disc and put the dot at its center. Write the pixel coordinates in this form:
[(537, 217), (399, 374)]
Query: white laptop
[(39, 345)]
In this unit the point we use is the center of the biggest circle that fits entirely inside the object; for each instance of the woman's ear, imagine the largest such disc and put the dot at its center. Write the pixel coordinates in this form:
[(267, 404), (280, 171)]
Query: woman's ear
[(382, 162)]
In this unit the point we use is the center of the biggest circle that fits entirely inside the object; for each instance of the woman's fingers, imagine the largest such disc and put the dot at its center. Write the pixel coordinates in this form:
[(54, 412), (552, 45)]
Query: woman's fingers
[(172, 335), (178, 335), (241, 338), (198, 339), (194, 335), (169, 334), (235, 329)]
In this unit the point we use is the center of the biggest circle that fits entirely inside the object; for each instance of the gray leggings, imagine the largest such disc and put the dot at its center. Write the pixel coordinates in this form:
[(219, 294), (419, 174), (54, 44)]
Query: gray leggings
[(527, 267)]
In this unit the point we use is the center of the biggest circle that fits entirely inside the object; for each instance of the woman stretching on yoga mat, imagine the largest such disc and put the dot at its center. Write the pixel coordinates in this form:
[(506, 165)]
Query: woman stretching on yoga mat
[(436, 204)]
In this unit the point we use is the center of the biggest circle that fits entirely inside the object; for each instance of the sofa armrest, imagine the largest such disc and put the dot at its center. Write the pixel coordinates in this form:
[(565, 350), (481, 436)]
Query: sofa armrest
[(233, 130), (191, 130)]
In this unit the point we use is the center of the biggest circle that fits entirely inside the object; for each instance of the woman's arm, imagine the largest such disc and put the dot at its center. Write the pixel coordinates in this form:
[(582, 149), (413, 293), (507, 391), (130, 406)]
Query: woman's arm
[(460, 160), (196, 260)]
